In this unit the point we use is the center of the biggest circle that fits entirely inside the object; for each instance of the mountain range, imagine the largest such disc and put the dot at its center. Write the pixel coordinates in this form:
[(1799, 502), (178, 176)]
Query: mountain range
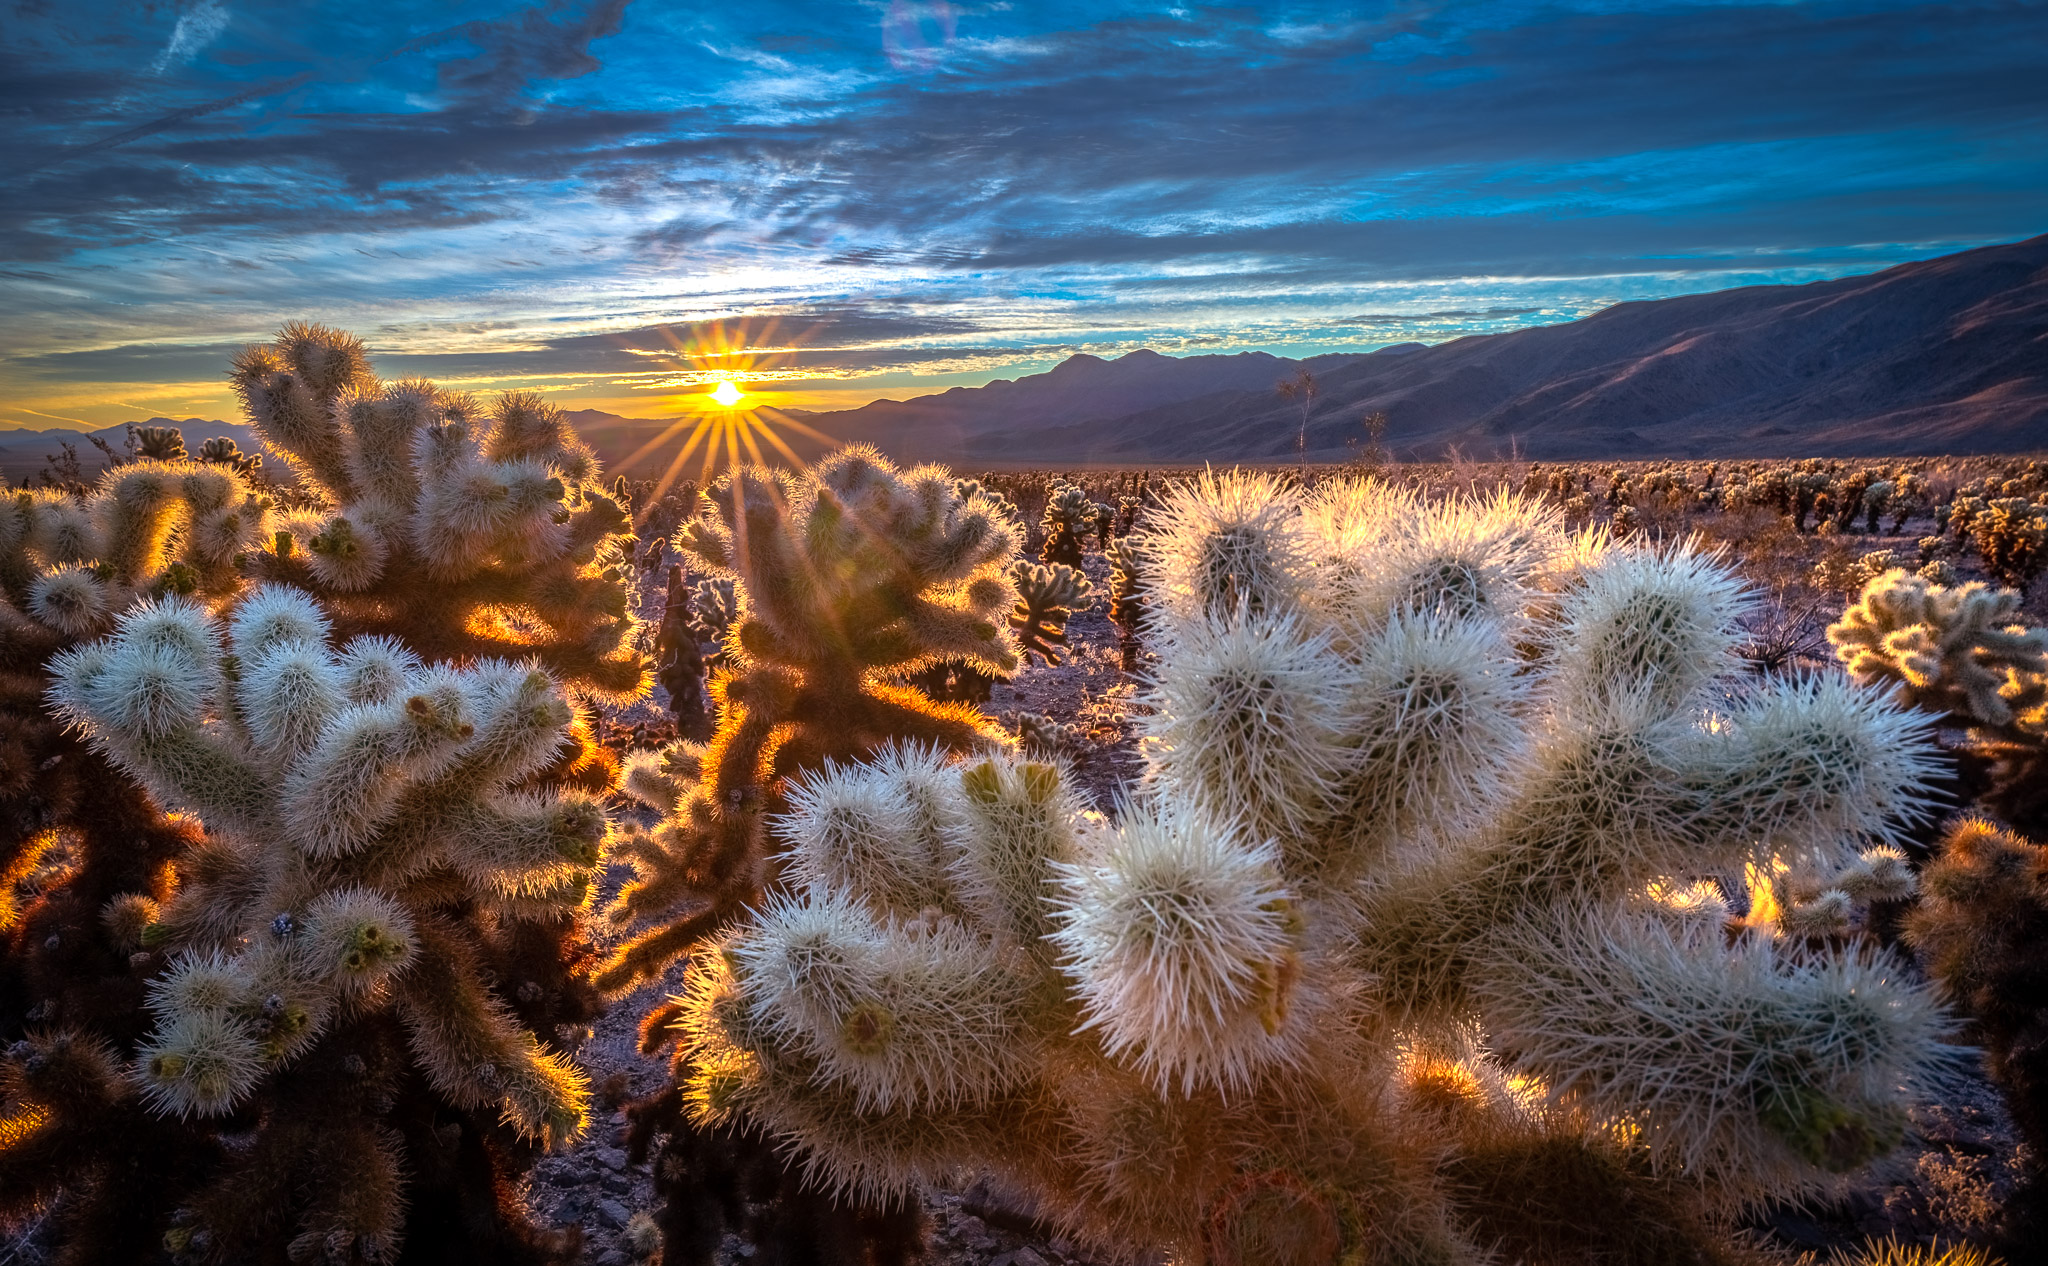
[(1944, 355)]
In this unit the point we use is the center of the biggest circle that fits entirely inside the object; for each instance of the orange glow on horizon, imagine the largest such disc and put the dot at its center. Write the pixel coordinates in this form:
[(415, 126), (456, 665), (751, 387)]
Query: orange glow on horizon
[(722, 431)]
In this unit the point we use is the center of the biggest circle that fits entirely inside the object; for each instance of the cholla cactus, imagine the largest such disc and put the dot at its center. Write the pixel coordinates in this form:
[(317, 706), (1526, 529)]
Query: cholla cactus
[(1126, 597), (1046, 596), (2011, 535), (1982, 931), (222, 450), (1421, 777), (1958, 651), (847, 575), (68, 568), (371, 852), (1068, 514), (464, 531)]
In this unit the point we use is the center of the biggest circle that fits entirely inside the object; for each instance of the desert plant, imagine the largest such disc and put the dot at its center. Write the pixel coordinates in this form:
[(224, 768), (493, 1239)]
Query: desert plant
[(847, 574), (69, 566), (367, 837), (1068, 514), (1959, 653), (466, 532), (2011, 535), (849, 577), (1046, 596), (1126, 597), (679, 660), (1413, 768), (1981, 929), (223, 451)]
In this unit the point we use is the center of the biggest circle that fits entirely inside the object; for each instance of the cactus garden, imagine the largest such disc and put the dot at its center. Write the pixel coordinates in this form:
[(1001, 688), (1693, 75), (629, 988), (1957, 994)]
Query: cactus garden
[(418, 846)]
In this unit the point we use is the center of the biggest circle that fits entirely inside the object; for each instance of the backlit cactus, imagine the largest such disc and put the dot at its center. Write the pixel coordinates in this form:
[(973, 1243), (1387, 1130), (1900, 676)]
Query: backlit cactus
[(371, 834), (1069, 515), (1961, 653), (1423, 780), (848, 576), (464, 529), (1045, 598)]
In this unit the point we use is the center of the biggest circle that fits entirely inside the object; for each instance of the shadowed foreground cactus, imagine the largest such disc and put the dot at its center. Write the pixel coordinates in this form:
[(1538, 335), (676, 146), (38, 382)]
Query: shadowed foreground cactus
[(1981, 929), (333, 1001), (1425, 782)]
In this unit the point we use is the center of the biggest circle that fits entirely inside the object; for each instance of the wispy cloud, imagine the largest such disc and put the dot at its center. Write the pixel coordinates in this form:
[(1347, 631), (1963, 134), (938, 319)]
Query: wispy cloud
[(936, 187)]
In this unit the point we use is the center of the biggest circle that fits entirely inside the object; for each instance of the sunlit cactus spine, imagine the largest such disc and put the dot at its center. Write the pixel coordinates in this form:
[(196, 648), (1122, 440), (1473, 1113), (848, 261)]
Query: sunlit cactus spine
[(1068, 515), (849, 576), (1046, 596), (1425, 779), (370, 829), (464, 529)]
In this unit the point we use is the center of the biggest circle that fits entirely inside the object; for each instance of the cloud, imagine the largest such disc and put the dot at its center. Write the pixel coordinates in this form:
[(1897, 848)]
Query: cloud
[(197, 27), (919, 182)]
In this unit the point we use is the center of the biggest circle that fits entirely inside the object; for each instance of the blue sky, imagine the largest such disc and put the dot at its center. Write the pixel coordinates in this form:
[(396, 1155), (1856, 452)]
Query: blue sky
[(597, 197)]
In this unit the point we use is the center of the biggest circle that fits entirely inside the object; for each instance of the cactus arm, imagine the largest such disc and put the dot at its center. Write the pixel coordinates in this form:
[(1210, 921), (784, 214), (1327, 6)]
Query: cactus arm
[(473, 1051)]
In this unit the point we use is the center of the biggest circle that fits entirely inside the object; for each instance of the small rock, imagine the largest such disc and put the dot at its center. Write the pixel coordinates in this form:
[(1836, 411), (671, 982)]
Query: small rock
[(564, 1177), (616, 1184), (611, 1158), (1061, 1244), (1019, 1257), (968, 1227), (743, 1249), (612, 1214), (615, 1257)]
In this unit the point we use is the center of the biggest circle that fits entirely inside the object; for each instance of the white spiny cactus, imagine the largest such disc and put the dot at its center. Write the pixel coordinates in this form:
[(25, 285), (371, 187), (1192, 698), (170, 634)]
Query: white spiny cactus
[(350, 797), (1423, 779)]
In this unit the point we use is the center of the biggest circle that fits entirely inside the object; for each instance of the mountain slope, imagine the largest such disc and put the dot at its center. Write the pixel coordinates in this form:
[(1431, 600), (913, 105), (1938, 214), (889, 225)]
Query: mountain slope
[(1941, 355)]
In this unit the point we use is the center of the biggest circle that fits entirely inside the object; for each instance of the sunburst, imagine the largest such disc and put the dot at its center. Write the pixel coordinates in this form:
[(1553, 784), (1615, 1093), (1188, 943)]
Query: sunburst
[(725, 425)]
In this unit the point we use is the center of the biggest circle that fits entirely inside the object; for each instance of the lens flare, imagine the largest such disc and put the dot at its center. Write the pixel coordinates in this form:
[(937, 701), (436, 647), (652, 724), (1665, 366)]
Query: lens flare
[(722, 426)]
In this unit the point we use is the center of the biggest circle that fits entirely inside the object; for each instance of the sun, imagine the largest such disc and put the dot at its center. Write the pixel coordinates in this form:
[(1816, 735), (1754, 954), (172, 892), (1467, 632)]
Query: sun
[(726, 394)]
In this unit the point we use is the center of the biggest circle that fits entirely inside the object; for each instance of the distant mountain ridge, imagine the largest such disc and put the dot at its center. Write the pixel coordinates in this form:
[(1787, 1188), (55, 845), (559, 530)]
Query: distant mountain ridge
[(1941, 355), (1945, 355)]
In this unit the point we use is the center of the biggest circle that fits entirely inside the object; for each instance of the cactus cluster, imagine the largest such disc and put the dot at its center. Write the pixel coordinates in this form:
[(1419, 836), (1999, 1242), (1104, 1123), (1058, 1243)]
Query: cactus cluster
[(465, 530), (1962, 654), (1425, 782), (370, 852), (848, 577)]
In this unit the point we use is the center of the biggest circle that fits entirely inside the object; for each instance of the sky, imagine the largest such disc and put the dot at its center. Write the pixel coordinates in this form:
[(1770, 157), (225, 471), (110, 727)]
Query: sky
[(619, 202)]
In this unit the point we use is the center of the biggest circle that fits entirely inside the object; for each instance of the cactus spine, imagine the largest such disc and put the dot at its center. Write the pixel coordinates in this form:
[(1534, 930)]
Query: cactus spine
[(367, 827), (1414, 768)]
